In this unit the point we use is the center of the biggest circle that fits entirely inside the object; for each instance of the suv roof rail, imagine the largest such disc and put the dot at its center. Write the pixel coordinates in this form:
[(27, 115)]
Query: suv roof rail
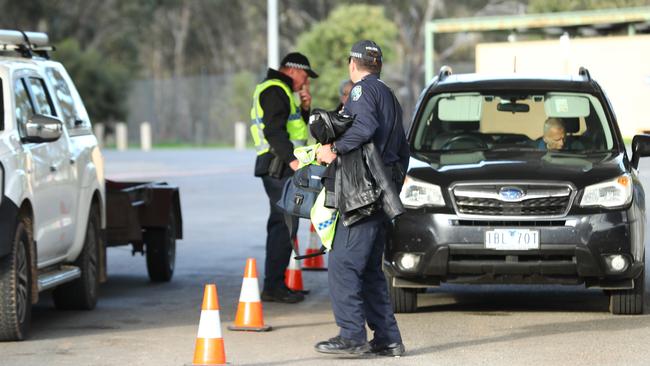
[(584, 73), (25, 43), (444, 72)]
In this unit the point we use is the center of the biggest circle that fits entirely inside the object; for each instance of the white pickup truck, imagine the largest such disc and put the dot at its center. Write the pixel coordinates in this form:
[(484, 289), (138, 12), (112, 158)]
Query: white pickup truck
[(53, 194)]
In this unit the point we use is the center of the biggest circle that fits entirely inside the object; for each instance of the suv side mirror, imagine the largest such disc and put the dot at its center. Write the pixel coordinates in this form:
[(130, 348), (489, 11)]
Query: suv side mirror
[(640, 148), (42, 128)]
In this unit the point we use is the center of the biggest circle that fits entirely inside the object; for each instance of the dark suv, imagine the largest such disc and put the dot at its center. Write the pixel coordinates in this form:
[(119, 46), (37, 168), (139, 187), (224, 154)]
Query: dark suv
[(519, 181)]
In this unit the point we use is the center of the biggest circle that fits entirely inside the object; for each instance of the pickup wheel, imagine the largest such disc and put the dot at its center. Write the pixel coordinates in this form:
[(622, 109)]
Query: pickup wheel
[(161, 251), (628, 302), (404, 300), (81, 294), (15, 286)]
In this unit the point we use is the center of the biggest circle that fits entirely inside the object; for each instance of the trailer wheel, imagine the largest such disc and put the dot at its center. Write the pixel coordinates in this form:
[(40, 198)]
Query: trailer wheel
[(15, 286), (81, 294), (161, 251)]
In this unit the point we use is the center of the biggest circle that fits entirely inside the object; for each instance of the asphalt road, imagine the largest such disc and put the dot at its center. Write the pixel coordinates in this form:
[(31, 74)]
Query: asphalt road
[(224, 209)]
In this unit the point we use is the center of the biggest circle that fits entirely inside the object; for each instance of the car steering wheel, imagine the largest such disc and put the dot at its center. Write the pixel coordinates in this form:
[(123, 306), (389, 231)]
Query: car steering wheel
[(475, 140)]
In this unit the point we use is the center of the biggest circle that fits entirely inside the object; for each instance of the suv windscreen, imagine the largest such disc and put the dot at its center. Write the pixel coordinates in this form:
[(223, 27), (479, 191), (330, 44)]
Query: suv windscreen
[(556, 121)]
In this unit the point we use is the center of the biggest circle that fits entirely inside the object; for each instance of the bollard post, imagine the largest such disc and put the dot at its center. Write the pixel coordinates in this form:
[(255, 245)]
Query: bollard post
[(99, 131), (199, 135), (145, 136), (240, 135), (121, 139)]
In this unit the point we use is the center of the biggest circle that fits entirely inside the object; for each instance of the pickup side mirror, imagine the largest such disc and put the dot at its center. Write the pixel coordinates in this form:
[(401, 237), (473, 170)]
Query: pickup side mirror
[(42, 128), (640, 148)]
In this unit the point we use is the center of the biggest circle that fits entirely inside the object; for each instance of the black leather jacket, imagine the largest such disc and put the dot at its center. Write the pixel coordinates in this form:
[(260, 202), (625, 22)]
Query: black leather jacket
[(364, 185)]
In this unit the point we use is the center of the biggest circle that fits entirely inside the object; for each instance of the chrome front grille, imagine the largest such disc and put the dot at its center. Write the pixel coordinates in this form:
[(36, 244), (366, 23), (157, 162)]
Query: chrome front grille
[(512, 199)]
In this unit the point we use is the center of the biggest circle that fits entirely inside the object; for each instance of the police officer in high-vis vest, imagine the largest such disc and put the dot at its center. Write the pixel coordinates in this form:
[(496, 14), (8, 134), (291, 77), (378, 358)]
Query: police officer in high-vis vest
[(278, 126), (357, 284)]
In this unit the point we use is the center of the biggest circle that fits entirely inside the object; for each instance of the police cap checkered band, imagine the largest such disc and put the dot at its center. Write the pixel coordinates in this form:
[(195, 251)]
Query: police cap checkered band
[(297, 66), (298, 61), (367, 50)]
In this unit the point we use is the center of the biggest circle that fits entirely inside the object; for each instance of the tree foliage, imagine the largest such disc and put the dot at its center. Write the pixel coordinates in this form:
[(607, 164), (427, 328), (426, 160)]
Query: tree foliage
[(327, 45), (241, 97), (182, 42), (102, 85)]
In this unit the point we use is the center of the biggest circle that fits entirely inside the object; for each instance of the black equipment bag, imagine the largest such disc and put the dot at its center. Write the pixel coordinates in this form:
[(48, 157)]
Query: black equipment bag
[(300, 191)]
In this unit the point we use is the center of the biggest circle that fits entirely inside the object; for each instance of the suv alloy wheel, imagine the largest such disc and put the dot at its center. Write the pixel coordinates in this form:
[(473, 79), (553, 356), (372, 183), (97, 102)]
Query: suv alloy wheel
[(16, 286)]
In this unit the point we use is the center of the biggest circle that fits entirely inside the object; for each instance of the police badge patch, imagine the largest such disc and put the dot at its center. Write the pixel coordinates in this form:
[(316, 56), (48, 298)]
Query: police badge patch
[(356, 93)]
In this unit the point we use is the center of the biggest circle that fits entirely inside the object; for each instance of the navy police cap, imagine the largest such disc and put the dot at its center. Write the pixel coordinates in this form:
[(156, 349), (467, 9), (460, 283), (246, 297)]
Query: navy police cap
[(297, 60), (367, 50)]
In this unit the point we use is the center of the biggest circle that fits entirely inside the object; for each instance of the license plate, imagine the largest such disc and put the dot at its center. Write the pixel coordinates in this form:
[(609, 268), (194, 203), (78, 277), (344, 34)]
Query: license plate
[(512, 239)]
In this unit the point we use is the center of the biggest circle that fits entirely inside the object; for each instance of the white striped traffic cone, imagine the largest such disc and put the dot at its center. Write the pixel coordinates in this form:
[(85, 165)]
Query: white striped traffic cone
[(316, 263), (250, 315), (209, 349), (293, 274)]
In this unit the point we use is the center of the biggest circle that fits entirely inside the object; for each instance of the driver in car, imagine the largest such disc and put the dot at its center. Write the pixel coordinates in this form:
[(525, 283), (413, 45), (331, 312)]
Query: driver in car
[(554, 137)]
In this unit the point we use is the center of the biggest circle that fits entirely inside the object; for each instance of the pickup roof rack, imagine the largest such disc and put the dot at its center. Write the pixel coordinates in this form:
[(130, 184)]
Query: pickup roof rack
[(446, 71), (584, 73), (27, 44)]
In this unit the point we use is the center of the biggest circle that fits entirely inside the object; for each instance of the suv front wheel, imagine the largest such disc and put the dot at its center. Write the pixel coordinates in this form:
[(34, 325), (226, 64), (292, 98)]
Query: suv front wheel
[(628, 302), (15, 286), (404, 300)]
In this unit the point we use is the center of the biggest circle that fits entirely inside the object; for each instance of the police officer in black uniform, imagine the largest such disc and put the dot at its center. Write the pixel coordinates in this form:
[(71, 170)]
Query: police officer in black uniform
[(356, 281)]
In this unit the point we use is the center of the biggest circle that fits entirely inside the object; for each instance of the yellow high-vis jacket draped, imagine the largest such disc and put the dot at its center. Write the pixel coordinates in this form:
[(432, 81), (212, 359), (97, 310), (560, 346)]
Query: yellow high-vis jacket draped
[(296, 126), (323, 218)]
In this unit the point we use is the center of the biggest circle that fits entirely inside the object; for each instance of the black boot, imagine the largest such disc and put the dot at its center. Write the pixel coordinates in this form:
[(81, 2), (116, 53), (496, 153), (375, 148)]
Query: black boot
[(282, 294), (340, 345), (392, 349)]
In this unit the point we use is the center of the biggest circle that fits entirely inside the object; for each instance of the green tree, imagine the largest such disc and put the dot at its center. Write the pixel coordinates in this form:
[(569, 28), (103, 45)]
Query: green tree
[(102, 85), (242, 85), (327, 45)]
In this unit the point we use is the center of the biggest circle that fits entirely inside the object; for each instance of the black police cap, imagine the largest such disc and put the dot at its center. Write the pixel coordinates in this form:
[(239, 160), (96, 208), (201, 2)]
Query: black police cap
[(367, 50), (297, 60)]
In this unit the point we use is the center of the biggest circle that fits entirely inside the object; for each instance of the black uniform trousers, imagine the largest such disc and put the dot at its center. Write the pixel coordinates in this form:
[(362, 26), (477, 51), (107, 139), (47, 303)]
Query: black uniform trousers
[(278, 240), (358, 288)]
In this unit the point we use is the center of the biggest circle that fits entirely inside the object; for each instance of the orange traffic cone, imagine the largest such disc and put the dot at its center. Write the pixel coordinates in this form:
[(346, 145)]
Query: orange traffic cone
[(209, 349), (313, 263), (293, 274), (249, 312)]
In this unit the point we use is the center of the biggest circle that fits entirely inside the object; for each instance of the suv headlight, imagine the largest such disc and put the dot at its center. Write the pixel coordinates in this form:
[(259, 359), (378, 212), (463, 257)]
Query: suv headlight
[(612, 193), (416, 193)]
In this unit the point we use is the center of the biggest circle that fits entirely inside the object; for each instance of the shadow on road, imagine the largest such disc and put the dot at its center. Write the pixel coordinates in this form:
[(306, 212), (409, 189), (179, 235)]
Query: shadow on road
[(513, 299), (618, 323), (302, 325), (126, 303)]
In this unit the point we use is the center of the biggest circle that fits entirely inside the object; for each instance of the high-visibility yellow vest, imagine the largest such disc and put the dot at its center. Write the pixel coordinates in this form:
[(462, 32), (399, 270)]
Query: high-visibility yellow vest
[(296, 126)]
